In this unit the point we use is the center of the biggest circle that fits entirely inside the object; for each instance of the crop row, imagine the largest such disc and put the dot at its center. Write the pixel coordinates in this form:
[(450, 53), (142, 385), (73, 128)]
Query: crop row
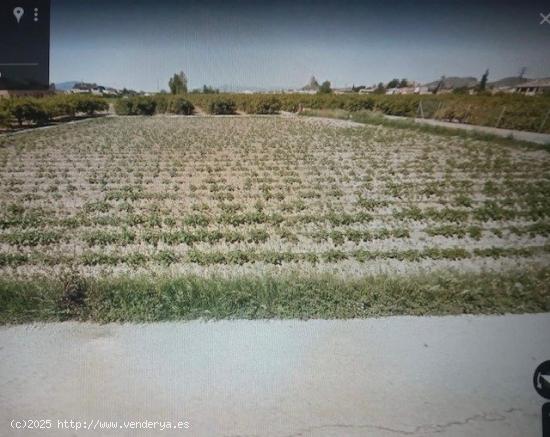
[(446, 215), (239, 257), (34, 237)]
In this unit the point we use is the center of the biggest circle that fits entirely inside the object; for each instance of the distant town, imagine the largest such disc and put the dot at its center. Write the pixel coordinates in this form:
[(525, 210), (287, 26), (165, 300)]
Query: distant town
[(444, 85)]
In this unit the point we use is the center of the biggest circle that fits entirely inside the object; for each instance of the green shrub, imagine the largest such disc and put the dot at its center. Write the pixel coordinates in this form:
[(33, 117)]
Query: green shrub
[(222, 105), (141, 105), (5, 117), (163, 103), (124, 106), (59, 106), (90, 104), (28, 109), (179, 105), (359, 104), (41, 110), (262, 105), (145, 105)]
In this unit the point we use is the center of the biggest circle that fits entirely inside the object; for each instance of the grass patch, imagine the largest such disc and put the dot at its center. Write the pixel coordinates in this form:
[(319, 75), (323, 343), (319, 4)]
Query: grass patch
[(377, 119), (140, 299)]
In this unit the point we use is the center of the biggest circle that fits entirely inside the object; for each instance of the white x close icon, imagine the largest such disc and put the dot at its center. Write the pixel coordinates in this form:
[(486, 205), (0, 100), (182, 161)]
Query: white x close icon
[(545, 18)]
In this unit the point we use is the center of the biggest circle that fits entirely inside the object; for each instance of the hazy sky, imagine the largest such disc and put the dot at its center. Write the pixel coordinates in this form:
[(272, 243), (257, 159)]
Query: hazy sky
[(139, 44)]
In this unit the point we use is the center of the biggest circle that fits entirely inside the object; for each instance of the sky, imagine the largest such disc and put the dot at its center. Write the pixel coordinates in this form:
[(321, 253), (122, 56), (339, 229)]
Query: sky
[(234, 44)]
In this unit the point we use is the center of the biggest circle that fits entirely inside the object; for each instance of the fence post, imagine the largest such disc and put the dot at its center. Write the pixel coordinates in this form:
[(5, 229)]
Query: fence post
[(467, 116), (436, 114), (420, 109), (500, 116), (544, 121)]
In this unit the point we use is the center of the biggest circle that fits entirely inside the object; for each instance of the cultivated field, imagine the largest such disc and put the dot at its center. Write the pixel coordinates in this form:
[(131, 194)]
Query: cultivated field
[(139, 218)]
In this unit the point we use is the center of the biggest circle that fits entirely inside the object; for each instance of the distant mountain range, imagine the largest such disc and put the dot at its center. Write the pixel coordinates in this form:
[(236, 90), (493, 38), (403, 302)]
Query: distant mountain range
[(471, 82), (66, 86), (508, 82), (453, 83)]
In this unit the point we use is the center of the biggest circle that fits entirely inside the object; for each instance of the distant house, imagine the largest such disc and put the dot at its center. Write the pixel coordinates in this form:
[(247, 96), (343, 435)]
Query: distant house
[(368, 90), (403, 90), (421, 89), (534, 87), (82, 88), (111, 92), (98, 90), (92, 88), (342, 90)]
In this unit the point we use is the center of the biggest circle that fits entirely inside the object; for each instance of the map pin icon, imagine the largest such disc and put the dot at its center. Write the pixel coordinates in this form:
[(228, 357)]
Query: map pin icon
[(18, 12)]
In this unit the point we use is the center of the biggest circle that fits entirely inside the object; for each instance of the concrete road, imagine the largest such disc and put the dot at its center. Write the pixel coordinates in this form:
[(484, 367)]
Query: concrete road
[(444, 376)]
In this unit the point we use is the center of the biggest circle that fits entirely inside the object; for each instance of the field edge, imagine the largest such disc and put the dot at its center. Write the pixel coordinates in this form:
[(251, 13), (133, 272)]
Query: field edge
[(163, 298)]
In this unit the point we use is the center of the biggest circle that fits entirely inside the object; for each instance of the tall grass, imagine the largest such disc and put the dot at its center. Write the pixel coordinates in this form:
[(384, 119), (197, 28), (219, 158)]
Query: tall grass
[(139, 299)]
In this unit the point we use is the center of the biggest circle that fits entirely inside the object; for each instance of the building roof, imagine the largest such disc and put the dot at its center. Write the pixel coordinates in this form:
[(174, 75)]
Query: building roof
[(537, 83)]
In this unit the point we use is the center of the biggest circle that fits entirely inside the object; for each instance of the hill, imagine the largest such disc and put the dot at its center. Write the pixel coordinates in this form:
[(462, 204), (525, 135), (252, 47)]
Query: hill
[(453, 83)]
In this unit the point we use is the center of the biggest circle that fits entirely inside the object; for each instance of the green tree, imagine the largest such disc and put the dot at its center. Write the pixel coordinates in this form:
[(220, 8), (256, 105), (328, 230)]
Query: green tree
[(380, 89), (178, 83), (394, 83), (439, 85), (312, 85), (209, 90), (4, 118), (483, 82), (325, 88), (403, 84), (29, 109)]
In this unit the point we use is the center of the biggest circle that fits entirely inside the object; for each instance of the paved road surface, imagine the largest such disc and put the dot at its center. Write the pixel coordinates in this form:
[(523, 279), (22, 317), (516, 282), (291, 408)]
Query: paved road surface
[(444, 376)]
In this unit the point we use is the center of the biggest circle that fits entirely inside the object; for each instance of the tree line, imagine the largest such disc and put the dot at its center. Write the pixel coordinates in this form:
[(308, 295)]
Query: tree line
[(44, 110)]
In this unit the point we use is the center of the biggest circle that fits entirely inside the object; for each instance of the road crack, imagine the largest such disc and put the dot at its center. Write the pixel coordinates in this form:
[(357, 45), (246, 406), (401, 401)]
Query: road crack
[(427, 428)]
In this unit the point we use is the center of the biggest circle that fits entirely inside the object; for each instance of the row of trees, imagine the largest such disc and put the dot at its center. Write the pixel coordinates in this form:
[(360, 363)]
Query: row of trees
[(507, 110), (43, 110), (212, 103), (149, 105)]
